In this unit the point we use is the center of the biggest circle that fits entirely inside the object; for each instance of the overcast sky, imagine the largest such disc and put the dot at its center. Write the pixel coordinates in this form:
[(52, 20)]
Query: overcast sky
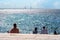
[(54, 4)]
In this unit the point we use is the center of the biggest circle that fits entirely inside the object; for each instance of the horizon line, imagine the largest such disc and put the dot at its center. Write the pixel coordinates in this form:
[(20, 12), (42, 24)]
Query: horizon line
[(29, 8)]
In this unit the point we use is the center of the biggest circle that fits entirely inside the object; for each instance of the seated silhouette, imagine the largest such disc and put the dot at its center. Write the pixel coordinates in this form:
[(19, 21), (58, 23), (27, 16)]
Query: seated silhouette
[(35, 31), (14, 29), (55, 33), (44, 31)]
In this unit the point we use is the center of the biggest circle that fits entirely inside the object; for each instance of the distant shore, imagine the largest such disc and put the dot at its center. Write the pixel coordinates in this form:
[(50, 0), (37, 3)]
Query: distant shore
[(18, 10)]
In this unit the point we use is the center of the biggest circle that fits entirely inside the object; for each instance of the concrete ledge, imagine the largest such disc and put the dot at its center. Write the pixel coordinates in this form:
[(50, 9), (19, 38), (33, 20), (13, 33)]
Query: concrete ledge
[(6, 36)]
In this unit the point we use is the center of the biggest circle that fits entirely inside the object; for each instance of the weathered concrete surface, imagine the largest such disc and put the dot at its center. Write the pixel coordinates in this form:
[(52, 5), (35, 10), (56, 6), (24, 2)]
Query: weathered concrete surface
[(5, 36)]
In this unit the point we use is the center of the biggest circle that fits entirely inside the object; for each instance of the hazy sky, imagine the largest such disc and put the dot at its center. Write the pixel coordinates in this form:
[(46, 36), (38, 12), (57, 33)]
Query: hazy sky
[(55, 4)]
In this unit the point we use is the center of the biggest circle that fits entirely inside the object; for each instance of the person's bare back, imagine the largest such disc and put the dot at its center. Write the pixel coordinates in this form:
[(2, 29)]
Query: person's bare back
[(14, 29)]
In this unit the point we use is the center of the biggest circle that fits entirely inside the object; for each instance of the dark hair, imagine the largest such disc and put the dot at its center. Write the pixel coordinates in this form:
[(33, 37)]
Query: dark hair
[(14, 25), (35, 28), (43, 27)]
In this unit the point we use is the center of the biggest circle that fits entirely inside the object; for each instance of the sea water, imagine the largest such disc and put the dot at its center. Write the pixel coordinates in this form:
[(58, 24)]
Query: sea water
[(27, 22)]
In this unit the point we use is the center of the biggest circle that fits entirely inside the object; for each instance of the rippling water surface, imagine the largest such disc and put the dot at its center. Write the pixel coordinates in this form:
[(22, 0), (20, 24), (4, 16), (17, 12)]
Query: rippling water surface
[(27, 22)]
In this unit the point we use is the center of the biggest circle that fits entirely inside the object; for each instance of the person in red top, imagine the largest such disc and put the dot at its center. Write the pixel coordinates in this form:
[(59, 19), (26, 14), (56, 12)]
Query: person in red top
[(14, 29)]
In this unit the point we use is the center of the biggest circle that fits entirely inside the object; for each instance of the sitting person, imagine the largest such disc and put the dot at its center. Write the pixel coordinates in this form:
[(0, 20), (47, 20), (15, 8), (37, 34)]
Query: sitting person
[(44, 31), (35, 31), (55, 33), (14, 29)]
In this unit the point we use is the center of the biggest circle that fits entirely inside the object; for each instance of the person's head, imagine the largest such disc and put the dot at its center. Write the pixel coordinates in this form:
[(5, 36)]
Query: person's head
[(14, 25), (43, 27), (35, 28)]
